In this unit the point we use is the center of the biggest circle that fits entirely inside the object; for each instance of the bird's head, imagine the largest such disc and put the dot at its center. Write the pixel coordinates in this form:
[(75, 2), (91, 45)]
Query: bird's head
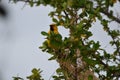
[(53, 27)]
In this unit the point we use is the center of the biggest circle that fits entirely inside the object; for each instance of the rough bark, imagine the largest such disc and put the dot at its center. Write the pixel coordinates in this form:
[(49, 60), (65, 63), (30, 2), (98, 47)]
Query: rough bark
[(75, 71)]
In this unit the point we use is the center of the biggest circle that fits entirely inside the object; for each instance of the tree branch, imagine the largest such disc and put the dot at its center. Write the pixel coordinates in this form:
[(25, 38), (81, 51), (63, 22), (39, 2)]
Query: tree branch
[(111, 16)]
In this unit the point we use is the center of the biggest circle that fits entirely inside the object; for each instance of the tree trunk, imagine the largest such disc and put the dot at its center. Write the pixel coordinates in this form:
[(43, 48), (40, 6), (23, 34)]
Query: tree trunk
[(75, 71)]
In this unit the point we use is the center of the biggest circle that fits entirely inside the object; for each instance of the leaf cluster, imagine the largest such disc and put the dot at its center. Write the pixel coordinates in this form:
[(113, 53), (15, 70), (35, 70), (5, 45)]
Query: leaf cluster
[(36, 75)]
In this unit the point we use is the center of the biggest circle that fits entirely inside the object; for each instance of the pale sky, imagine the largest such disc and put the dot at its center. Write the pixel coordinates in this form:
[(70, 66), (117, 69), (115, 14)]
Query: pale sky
[(20, 37)]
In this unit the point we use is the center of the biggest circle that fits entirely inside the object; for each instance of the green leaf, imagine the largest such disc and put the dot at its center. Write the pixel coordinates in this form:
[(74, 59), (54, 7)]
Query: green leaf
[(54, 20), (105, 24), (59, 70), (36, 74), (55, 40), (52, 13), (115, 33), (56, 78), (64, 5), (52, 58), (90, 77), (38, 3), (17, 78), (44, 33), (99, 16), (62, 77), (96, 45), (31, 3), (91, 62)]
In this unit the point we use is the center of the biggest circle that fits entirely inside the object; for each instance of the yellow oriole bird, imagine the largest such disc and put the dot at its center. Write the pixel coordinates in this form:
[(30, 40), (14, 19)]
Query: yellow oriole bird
[(54, 39), (54, 29)]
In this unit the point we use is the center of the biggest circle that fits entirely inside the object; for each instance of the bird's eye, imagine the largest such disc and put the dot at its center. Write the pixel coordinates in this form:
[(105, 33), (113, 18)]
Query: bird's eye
[(51, 28)]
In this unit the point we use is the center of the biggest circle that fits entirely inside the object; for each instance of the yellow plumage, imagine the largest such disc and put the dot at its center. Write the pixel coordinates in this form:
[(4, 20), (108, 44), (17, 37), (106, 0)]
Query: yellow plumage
[(54, 29), (54, 38)]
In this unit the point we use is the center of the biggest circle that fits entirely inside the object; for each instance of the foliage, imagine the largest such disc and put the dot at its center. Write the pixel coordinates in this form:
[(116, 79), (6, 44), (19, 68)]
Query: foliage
[(79, 54), (36, 75), (17, 78), (60, 75)]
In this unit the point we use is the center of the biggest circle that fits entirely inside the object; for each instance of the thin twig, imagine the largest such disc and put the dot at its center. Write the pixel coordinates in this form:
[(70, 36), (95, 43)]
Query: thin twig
[(66, 14), (109, 15)]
